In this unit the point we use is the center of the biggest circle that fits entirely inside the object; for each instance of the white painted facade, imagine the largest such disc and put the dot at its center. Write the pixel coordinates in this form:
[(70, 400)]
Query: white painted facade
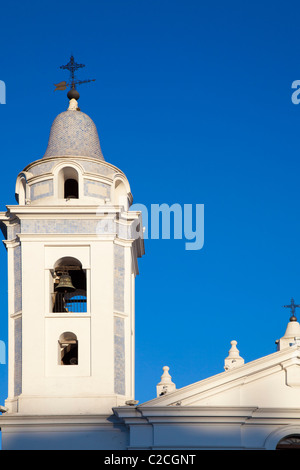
[(90, 403)]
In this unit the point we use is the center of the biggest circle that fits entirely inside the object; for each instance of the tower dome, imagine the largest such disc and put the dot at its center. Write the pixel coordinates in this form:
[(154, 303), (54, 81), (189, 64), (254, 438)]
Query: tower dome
[(73, 133)]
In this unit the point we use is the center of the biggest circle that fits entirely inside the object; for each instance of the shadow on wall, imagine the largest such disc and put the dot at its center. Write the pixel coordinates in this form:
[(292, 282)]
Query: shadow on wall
[(101, 434), (108, 436)]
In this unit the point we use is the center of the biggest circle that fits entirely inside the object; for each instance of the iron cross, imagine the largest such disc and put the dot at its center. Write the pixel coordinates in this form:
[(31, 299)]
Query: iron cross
[(293, 307), (72, 66)]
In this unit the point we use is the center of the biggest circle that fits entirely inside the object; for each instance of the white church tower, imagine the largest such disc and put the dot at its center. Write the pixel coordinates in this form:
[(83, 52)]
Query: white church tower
[(72, 247)]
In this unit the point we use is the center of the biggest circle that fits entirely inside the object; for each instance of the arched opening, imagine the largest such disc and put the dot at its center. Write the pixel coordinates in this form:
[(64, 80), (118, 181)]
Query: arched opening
[(68, 349), (20, 192), (289, 443), (71, 189), (69, 286), (68, 183), (120, 194)]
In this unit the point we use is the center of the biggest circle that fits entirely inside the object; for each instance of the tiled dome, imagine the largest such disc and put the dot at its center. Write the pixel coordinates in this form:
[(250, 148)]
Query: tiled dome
[(73, 133)]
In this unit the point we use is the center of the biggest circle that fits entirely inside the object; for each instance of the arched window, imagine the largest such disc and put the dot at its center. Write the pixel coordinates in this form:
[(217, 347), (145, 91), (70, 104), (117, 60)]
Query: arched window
[(68, 184), (71, 189), (69, 286), (68, 349), (289, 443), (120, 194), (20, 191), (22, 195)]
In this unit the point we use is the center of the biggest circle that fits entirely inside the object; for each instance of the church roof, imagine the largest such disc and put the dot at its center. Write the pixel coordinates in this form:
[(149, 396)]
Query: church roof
[(272, 381), (73, 133)]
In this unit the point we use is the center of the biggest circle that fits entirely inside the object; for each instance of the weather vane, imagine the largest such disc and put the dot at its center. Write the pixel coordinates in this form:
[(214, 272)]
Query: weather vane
[(293, 307), (72, 66)]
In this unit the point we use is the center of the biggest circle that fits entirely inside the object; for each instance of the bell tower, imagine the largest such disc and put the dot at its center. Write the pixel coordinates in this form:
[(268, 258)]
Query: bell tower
[(72, 247)]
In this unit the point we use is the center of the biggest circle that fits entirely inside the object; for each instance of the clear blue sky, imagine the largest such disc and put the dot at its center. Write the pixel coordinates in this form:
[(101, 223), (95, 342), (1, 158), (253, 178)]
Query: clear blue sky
[(192, 100)]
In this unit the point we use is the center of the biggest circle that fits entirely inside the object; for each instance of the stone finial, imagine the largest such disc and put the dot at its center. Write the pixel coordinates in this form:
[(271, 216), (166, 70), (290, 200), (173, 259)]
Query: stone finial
[(291, 336), (73, 105), (165, 385), (292, 333), (233, 359)]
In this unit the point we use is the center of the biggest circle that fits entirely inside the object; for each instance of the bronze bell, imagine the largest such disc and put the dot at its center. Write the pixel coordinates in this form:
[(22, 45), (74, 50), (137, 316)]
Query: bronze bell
[(65, 283)]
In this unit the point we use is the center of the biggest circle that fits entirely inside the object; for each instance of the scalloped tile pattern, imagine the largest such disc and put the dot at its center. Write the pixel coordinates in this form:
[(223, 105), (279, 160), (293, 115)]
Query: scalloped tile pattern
[(73, 133)]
